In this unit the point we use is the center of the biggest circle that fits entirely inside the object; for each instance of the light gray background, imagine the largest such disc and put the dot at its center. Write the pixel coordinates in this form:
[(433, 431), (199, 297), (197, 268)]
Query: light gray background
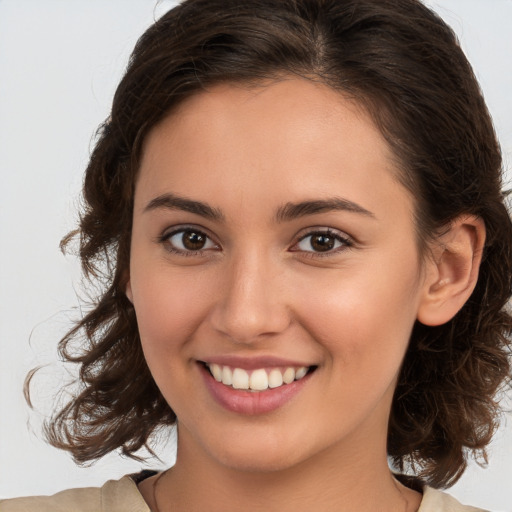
[(59, 64)]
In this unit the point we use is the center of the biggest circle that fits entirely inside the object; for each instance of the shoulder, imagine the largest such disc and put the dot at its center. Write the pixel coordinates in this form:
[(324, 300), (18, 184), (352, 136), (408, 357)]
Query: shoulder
[(114, 496), (438, 501), (123, 496)]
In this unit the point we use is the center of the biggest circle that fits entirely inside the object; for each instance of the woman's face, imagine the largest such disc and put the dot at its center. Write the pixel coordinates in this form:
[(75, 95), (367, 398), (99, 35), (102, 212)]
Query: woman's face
[(271, 238)]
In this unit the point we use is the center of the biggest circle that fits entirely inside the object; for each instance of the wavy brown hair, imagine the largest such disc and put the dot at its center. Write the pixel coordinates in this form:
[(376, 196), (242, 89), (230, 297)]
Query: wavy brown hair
[(402, 63)]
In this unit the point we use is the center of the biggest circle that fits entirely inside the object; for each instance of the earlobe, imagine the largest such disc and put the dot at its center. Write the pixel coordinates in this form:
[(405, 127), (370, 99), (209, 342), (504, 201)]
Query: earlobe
[(452, 271), (128, 291)]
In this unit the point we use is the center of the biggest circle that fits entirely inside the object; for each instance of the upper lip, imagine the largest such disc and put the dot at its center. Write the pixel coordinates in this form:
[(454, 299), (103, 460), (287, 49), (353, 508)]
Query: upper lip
[(253, 363)]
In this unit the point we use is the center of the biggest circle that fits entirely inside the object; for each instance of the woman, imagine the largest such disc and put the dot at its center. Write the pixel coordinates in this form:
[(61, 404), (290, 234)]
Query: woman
[(296, 210)]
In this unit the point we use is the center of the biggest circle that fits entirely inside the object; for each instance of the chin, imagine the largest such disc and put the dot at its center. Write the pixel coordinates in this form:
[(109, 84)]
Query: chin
[(259, 455)]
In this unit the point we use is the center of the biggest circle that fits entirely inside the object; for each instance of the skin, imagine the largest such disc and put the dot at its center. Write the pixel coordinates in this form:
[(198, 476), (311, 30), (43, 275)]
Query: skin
[(258, 288)]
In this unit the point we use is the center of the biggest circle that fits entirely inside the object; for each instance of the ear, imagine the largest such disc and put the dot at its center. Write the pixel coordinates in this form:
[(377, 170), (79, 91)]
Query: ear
[(128, 290), (452, 271)]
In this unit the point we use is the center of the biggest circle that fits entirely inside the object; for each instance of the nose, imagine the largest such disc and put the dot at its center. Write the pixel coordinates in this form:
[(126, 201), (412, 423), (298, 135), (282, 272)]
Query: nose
[(252, 304)]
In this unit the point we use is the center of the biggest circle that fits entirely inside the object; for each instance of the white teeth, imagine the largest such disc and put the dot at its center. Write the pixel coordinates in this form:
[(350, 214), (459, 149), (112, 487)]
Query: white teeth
[(275, 379), (227, 376), (289, 375), (240, 379), (257, 380), (216, 372), (300, 372)]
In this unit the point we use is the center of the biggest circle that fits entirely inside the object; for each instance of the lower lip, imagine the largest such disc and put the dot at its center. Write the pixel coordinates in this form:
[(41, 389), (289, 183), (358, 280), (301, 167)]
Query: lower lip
[(252, 402)]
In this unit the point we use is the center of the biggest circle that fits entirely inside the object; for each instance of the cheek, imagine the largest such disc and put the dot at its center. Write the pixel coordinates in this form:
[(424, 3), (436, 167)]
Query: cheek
[(169, 307), (364, 330), (363, 318)]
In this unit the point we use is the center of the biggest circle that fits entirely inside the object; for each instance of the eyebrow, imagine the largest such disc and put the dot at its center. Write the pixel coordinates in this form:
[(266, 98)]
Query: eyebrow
[(292, 211), (174, 202), (285, 213)]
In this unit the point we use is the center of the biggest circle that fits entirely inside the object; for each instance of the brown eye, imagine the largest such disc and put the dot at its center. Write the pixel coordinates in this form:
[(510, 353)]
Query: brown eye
[(193, 241), (322, 241), (189, 241)]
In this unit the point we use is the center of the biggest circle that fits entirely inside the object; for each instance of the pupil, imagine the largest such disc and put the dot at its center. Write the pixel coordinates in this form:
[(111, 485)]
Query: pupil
[(193, 241), (322, 243)]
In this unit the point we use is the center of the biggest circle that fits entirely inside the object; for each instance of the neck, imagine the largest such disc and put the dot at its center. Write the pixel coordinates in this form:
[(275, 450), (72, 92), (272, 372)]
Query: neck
[(329, 481)]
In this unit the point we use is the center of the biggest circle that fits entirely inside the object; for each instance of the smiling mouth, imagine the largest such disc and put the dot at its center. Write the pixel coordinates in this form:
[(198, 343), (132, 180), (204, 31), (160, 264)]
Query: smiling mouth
[(260, 379)]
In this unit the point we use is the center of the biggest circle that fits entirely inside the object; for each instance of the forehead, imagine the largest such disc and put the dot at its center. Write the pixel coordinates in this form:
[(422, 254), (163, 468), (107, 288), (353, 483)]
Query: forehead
[(300, 109), (287, 140)]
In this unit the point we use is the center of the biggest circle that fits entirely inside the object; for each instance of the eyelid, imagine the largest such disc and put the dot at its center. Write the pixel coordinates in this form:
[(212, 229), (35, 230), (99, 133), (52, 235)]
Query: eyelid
[(346, 240), (169, 232)]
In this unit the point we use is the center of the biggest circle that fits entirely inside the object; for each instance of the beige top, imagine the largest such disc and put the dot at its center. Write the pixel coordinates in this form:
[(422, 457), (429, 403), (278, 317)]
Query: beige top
[(123, 496)]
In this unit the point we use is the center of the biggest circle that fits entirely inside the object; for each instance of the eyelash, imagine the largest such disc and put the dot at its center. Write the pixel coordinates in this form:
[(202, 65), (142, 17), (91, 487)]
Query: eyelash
[(166, 237), (346, 242)]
